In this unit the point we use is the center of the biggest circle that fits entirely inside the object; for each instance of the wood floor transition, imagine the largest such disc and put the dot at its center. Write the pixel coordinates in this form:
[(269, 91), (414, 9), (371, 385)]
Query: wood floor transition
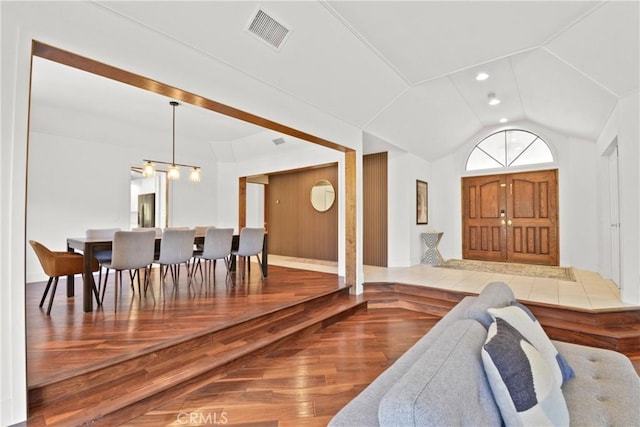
[(291, 349)]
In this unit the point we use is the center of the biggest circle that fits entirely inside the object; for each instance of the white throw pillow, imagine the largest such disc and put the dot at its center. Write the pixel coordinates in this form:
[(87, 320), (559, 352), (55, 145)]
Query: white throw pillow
[(521, 318), (522, 382)]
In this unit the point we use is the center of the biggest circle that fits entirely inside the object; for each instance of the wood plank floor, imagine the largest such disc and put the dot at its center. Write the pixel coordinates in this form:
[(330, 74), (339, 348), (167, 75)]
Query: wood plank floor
[(304, 382), (70, 341)]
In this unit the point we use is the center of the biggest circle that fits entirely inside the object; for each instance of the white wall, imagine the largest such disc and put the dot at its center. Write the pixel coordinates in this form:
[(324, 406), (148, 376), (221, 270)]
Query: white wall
[(87, 29), (192, 204), (75, 184), (72, 188), (576, 162), (405, 246), (578, 183), (445, 204), (623, 126)]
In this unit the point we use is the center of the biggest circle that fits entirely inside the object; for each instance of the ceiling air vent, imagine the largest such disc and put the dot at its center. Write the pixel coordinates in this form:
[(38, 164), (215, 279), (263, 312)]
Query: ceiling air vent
[(268, 29)]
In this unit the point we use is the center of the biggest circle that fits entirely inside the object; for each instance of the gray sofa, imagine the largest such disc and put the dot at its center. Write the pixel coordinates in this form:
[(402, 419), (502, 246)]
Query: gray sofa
[(441, 381)]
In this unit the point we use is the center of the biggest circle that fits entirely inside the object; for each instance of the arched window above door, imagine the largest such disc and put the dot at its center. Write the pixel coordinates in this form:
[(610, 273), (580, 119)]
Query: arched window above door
[(507, 149)]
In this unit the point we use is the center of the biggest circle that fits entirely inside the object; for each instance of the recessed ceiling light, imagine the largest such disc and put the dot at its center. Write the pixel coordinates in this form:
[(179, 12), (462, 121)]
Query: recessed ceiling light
[(503, 120), (493, 100), (481, 76)]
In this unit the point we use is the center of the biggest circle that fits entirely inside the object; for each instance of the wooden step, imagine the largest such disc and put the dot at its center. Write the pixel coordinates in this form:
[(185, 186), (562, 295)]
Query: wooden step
[(617, 330), (437, 302), (606, 317), (107, 394), (614, 329)]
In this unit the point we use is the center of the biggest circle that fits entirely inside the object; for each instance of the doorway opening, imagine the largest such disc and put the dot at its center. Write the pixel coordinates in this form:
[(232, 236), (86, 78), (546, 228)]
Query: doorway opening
[(149, 199)]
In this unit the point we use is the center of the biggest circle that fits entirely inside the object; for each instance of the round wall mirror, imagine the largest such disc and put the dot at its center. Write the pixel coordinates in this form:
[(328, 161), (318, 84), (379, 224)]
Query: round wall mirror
[(322, 195)]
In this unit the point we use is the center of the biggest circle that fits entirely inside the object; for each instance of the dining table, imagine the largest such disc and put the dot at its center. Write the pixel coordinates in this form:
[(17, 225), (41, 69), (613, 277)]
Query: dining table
[(89, 246)]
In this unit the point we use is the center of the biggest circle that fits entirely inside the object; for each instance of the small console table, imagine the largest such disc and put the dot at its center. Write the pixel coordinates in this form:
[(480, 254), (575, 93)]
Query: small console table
[(432, 255)]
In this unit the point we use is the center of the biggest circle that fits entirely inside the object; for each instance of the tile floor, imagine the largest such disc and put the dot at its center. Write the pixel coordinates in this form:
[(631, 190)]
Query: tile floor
[(589, 290)]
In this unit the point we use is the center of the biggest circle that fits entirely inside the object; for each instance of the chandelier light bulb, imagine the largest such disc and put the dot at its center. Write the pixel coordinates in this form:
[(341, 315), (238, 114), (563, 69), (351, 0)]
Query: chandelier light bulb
[(173, 172), (148, 169), (194, 176)]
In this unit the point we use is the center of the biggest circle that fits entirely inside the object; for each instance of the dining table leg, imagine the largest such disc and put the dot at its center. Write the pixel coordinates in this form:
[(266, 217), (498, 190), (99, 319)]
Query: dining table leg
[(70, 278), (265, 253), (88, 285)]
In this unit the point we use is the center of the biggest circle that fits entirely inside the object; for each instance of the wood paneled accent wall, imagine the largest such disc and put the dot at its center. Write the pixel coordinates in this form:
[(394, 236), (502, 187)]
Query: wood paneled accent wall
[(295, 228), (374, 186)]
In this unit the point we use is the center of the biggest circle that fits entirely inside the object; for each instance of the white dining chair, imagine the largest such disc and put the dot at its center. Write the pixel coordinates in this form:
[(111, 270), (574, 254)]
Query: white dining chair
[(157, 230), (176, 248), (250, 244), (131, 251), (217, 245), (201, 230), (103, 256)]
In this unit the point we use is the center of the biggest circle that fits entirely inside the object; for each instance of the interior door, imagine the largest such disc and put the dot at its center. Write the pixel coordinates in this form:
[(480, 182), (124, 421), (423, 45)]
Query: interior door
[(511, 217), (484, 210), (532, 217), (614, 215)]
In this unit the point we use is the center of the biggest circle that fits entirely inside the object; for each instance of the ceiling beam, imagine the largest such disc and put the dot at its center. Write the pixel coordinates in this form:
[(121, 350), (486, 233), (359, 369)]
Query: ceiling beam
[(79, 62)]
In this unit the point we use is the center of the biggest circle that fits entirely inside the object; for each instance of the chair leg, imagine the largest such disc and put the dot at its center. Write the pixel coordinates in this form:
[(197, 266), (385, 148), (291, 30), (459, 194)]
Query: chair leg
[(198, 266), (99, 277), (53, 294), (226, 265), (46, 291), (118, 285), (137, 273), (147, 282), (173, 273), (132, 277), (147, 273), (189, 277), (260, 266), (96, 292), (104, 287), (119, 274)]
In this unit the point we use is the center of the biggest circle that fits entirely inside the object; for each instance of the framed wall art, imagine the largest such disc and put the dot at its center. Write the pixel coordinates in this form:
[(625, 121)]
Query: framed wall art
[(422, 203)]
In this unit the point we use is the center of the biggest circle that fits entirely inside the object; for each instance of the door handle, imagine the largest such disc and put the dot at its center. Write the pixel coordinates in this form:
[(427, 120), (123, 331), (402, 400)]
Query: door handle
[(509, 223), (502, 222)]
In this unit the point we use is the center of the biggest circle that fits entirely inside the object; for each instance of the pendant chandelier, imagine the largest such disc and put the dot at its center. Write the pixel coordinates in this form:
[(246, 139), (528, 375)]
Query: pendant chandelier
[(173, 171)]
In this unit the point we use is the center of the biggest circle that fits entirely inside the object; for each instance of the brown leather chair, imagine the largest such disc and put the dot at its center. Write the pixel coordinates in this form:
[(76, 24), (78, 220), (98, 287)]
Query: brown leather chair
[(56, 264)]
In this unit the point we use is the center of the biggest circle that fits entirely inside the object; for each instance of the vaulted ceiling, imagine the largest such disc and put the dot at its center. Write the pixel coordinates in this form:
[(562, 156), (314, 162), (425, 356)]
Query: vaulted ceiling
[(405, 72)]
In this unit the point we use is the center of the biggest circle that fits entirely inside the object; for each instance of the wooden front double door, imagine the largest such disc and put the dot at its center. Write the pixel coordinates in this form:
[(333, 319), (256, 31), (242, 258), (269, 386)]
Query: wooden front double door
[(511, 217)]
